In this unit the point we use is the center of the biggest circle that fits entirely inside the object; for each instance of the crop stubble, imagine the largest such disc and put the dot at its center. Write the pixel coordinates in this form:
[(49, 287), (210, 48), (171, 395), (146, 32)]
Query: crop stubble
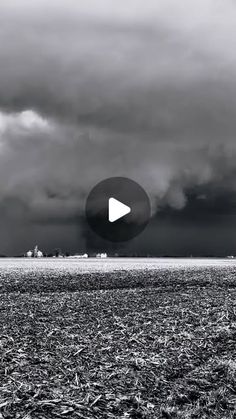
[(128, 344)]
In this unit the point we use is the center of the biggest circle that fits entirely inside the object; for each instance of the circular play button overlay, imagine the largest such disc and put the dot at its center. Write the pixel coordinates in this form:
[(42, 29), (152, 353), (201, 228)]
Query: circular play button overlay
[(118, 209)]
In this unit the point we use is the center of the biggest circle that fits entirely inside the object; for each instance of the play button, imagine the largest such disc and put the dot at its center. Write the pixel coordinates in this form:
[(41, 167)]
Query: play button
[(118, 209)]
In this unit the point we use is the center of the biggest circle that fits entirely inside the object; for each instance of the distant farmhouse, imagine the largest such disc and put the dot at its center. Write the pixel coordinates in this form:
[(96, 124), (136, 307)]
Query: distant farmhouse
[(76, 256), (36, 253)]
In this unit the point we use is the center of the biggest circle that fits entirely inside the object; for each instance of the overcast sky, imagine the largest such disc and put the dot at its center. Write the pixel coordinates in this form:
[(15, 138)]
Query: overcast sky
[(92, 89)]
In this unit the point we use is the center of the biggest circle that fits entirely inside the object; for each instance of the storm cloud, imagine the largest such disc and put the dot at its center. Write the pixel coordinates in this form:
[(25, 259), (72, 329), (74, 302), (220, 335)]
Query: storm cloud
[(90, 90)]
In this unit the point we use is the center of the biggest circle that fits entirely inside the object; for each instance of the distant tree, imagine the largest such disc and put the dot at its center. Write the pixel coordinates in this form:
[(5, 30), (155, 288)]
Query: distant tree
[(57, 252)]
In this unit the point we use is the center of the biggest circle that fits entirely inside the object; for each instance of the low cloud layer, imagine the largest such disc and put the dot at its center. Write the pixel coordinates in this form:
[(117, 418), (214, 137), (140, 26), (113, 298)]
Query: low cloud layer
[(90, 92)]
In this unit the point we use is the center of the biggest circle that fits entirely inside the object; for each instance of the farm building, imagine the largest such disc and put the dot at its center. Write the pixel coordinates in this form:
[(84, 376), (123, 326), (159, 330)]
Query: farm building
[(36, 253)]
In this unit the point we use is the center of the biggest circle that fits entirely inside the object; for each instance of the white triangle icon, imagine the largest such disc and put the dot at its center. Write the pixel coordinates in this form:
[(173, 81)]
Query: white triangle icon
[(117, 210)]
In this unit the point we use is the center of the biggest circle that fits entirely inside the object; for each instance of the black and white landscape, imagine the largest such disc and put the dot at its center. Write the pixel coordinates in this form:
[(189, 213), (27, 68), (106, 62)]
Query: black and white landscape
[(91, 89)]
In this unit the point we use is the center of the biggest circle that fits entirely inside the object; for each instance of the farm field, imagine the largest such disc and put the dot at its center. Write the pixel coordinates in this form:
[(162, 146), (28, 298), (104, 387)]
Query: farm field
[(122, 339)]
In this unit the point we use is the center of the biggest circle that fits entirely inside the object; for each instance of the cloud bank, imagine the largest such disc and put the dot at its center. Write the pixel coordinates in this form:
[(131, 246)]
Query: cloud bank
[(91, 91)]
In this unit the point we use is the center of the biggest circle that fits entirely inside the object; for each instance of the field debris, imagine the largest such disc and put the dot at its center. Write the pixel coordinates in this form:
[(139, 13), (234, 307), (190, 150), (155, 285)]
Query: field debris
[(131, 345)]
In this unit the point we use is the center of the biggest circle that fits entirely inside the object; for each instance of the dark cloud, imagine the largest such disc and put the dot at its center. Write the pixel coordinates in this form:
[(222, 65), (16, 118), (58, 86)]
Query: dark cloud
[(88, 92)]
